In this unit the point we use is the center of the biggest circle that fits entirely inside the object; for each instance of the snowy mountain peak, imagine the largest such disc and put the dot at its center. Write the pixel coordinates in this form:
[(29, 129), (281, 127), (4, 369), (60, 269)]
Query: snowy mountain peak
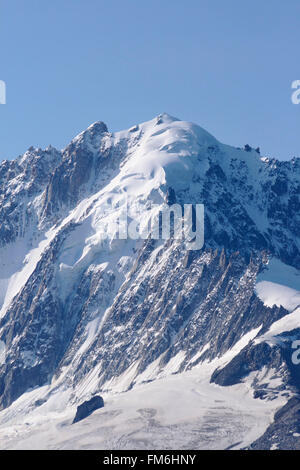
[(92, 136), (84, 311), (164, 118), (98, 127)]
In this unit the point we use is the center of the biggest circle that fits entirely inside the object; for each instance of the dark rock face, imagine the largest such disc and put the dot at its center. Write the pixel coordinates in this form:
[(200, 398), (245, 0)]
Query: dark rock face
[(68, 179), (258, 355), (88, 407), (251, 358), (17, 212), (188, 306), (284, 432), (171, 196), (44, 321)]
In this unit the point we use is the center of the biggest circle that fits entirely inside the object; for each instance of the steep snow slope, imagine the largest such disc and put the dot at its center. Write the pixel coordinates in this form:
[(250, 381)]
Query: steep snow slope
[(84, 311)]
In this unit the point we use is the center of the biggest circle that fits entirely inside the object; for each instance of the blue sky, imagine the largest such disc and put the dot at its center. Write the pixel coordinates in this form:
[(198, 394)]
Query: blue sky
[(226, 65)]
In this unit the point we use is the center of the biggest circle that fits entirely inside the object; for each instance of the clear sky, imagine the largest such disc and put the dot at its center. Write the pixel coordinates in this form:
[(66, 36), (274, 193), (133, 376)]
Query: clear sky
[(225, 65)]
